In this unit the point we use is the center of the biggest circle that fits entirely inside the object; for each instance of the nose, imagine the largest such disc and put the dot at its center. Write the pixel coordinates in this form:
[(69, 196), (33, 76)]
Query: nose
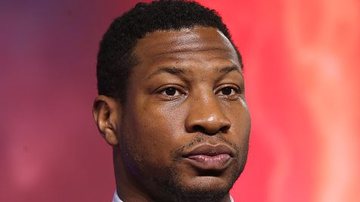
[(206, 115)]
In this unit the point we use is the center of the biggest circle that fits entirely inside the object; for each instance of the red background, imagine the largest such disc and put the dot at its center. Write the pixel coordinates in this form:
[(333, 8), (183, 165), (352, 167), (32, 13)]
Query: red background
[(303, 88)]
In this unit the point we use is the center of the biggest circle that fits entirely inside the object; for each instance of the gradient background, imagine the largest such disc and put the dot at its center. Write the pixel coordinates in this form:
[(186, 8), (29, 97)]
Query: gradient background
[(303, 88)]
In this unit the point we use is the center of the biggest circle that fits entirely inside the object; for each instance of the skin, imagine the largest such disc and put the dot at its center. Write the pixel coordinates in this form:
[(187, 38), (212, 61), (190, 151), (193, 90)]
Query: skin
[(186, 90)]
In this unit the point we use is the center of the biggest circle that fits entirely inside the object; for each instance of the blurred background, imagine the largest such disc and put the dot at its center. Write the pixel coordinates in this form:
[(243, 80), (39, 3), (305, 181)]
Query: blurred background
[(302, 81)]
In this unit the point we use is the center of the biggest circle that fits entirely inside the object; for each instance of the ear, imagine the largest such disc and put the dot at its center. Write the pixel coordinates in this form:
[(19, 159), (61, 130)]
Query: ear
[(106, 112)]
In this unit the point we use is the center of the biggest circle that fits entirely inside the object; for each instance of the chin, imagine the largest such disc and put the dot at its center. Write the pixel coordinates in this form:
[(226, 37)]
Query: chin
[(204, 188), (210, 184), (188, 184)]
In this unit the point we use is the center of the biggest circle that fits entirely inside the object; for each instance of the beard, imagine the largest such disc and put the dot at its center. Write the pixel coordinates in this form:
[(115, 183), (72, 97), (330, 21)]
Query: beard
[(173, 187), (167, 184)]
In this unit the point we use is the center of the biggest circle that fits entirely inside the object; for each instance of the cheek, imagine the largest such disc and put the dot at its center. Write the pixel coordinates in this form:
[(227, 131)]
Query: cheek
[(155, 134), (241, 124)]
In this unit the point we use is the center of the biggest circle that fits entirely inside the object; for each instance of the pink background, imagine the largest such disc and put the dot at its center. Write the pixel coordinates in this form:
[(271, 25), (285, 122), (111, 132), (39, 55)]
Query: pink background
[(303, 88)]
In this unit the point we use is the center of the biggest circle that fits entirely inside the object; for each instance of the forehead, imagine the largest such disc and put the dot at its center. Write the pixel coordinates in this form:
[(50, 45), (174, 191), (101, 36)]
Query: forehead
[(180, 44)]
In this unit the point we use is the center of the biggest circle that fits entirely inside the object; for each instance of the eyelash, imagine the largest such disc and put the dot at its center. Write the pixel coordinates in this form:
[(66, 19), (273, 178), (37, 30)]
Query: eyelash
[(177, 90), (235, 92)]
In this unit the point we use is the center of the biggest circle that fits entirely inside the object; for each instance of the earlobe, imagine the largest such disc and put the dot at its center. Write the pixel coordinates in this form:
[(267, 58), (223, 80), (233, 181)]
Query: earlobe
[(106, 114)]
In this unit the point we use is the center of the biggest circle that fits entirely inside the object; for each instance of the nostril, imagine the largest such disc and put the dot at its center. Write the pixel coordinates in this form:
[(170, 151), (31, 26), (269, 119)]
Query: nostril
[(225, 129), (199, 128), (210, 130)]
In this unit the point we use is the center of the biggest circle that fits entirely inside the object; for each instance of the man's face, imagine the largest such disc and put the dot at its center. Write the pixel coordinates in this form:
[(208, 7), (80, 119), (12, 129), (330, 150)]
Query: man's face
[(184, 127)]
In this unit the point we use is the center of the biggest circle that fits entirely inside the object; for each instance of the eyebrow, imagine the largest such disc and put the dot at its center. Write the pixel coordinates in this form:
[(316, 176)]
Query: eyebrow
[(170, 70), (229, 69), (180, 72)]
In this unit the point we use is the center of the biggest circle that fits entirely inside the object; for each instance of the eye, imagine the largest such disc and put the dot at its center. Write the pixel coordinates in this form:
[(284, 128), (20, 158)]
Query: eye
[(227, 91), (231, 92), (170, 91)]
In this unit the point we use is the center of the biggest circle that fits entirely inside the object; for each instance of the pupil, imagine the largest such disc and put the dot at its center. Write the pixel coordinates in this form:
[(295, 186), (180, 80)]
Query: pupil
[(226, 91), (170, 91)]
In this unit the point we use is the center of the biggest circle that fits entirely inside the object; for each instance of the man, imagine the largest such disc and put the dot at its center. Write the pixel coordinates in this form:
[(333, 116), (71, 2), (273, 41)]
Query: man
[(171, 103)]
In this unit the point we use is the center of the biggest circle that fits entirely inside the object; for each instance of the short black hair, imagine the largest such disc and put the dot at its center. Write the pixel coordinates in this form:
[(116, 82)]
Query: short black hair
[(115, 59)]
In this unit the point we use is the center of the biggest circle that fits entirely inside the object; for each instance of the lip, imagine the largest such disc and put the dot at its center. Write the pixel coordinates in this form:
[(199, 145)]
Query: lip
[(210, 157)]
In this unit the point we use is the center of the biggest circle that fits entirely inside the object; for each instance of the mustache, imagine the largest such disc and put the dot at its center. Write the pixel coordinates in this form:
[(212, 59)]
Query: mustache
[(203, 139)]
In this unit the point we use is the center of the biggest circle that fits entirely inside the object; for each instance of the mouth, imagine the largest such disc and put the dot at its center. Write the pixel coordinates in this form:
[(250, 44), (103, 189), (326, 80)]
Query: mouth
[(210, 157)]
